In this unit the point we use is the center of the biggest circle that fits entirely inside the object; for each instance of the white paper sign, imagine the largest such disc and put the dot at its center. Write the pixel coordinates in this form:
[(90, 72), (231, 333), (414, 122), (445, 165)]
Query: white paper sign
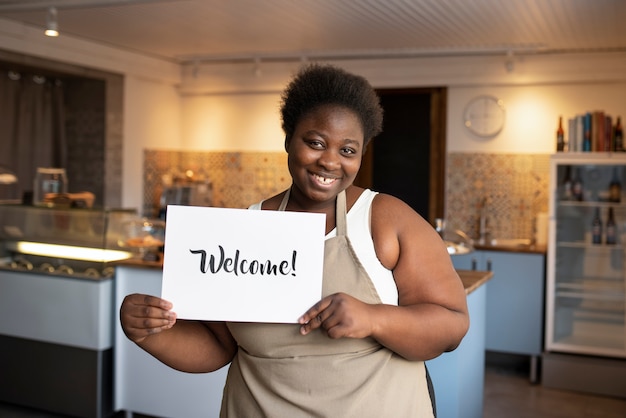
[(242, 265)]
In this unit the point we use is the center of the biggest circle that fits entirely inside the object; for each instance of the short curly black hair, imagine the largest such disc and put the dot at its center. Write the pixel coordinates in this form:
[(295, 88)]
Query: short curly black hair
[(317, 85)]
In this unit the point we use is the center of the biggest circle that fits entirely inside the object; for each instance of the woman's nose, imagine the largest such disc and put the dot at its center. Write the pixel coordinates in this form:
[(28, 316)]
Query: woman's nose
[(329, 159)]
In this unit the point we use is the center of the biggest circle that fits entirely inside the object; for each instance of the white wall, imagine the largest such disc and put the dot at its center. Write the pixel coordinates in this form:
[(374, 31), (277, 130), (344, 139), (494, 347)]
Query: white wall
[(532, 114), (232, 122), (152, 119), (535, 93)]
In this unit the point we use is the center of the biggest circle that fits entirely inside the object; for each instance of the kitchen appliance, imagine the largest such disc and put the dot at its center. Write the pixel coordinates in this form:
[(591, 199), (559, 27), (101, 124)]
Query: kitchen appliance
[(186, 194), (585, 332), (457, 242), (48, 181)]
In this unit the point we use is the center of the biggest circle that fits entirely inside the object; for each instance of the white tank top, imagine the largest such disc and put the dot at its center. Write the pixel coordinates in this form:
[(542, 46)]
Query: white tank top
[(360, 235)]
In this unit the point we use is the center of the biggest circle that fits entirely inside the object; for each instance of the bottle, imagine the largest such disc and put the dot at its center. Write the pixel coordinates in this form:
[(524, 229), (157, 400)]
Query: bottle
[(596, 228), (618, 136), (566, 192), (560, 136), (610, 228), (615, 188), (577, 187)]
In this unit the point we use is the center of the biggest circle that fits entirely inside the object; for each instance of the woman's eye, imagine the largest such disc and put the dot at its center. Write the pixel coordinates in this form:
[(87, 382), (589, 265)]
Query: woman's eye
[(315, 143), (348, 151)]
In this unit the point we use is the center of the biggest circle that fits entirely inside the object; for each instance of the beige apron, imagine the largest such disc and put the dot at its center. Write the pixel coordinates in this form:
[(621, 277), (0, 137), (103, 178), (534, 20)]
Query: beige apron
[(279, 373)]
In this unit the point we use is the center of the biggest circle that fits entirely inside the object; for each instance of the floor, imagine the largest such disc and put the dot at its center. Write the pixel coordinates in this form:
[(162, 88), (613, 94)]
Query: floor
[(508, 394)]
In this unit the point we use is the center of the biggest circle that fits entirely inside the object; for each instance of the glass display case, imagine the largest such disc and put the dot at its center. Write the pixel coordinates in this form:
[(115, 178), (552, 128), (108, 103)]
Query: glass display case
[(586, 296), (56, 306), (70, 242)]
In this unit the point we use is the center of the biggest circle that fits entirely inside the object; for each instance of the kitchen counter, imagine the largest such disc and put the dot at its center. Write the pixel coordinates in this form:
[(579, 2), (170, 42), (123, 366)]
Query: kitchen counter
[(529, 249), (473, 279)]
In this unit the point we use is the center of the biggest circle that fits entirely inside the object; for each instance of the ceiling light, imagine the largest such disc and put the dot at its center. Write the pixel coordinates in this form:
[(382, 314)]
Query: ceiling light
[(509, 62), (52, 26)]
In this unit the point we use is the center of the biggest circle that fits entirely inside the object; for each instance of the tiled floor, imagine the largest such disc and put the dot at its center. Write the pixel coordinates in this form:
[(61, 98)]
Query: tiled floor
[(508, 394)]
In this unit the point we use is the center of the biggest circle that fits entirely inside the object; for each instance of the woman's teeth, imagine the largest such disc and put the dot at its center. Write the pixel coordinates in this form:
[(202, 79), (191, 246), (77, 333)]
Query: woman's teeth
[(323, 180)]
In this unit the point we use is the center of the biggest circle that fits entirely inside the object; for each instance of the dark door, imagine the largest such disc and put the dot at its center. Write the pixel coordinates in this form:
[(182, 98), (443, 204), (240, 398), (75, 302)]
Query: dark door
[(407, 159)]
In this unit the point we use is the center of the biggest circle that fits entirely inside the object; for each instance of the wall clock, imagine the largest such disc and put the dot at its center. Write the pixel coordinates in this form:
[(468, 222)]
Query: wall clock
[(484, 116)]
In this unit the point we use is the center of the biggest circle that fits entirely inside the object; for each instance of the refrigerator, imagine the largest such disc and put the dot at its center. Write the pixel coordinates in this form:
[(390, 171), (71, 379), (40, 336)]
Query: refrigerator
[(585, 330)]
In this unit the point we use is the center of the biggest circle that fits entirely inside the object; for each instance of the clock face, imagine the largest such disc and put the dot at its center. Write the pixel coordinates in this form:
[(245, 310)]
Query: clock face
[(484, 116)]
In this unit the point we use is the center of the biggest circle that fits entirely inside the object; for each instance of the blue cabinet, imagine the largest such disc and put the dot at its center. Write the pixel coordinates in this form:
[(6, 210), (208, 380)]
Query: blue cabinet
[(515, 300), (458, 376)]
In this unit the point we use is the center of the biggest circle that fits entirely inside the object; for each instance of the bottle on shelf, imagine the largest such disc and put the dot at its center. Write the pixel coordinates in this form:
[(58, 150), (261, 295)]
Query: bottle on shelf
[(560, 136), (566, 188), (596, 227), (577, 187), (618, 136), (611, 229), (615, 188)]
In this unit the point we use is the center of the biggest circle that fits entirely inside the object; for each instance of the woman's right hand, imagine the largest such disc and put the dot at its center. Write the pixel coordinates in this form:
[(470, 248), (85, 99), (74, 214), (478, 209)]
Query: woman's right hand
[(145, 315)]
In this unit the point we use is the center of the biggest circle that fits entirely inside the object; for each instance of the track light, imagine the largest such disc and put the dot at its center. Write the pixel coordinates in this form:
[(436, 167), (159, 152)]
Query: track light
[(52, 26), (257, 68), (509, 62)]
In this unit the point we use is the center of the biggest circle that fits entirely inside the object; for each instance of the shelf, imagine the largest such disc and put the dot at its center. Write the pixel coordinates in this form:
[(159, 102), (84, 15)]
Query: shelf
[(588, 245), (590, 204)]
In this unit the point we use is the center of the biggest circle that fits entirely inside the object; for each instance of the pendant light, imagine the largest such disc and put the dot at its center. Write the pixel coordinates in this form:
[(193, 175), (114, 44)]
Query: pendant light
[(52, 26)]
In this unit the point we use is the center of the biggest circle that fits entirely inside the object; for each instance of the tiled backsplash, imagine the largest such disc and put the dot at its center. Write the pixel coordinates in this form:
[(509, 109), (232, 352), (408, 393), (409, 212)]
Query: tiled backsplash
[(515, 186), (239, 179)]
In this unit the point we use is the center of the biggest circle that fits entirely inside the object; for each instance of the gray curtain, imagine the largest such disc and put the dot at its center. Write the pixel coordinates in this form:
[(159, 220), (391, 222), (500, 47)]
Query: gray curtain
[(32, 127)]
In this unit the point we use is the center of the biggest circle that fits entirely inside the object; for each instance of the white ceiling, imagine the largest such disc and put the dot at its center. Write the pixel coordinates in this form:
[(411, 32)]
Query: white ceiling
[(188, 31)]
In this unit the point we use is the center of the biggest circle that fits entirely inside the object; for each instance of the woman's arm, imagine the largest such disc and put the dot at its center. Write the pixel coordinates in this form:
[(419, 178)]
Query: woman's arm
[(189, 346), (432, 315)]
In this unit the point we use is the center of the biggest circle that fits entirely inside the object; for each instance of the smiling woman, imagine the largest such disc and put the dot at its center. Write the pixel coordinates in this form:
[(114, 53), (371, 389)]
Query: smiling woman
[(391, 298)]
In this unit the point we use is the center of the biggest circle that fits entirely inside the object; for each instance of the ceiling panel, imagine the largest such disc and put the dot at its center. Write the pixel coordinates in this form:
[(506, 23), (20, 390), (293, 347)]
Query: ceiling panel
[(188, 30)]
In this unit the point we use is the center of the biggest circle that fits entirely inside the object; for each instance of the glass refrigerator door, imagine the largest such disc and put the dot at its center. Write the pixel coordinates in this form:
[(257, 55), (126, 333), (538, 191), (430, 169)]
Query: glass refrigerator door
[(586, 269)]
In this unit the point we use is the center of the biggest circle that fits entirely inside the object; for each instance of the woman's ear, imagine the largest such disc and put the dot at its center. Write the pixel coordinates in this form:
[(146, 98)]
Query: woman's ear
[(287, 143)]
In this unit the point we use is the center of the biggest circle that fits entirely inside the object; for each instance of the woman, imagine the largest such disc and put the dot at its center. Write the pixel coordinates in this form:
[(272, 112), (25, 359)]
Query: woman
[(391, 297)]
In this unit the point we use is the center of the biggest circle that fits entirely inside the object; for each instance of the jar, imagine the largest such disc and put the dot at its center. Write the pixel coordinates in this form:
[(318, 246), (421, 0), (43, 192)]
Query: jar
[(48, 180)]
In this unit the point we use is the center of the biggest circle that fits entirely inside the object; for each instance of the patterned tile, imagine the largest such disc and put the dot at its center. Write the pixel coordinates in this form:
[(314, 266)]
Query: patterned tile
[(515, 188), (238, 179)]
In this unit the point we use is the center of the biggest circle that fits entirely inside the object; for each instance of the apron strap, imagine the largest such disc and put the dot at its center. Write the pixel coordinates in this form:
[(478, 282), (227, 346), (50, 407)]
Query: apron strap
[(283, 204), (340, 210)]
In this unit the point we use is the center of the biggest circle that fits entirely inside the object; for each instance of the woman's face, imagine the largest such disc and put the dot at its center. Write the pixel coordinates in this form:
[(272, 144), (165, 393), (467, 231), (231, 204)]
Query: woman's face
[(325, 151)]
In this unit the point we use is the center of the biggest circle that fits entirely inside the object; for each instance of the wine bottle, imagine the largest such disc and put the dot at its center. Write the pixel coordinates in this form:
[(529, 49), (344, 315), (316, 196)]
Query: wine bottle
[(577, 186), (596, 228), (566, 192), (615, 188), (610, 228), (618, 136), (560, 136)]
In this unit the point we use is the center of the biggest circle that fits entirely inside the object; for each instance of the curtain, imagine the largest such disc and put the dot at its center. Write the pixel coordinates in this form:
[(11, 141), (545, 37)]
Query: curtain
[(32, 128)]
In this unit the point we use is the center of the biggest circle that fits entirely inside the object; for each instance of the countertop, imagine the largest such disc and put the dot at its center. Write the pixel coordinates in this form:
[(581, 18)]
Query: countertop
[(473, 279), (529, 249)]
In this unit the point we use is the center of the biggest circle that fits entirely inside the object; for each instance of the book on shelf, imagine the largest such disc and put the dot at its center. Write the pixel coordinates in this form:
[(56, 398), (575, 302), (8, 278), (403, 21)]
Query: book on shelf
[(592, 131)]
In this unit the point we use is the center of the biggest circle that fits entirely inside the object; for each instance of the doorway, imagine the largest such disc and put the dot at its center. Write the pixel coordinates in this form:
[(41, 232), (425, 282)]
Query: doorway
[(407, 160)]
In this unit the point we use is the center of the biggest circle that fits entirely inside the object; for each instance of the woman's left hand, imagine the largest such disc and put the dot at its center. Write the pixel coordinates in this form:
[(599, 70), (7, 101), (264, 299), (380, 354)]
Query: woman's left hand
[(340, 315)]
